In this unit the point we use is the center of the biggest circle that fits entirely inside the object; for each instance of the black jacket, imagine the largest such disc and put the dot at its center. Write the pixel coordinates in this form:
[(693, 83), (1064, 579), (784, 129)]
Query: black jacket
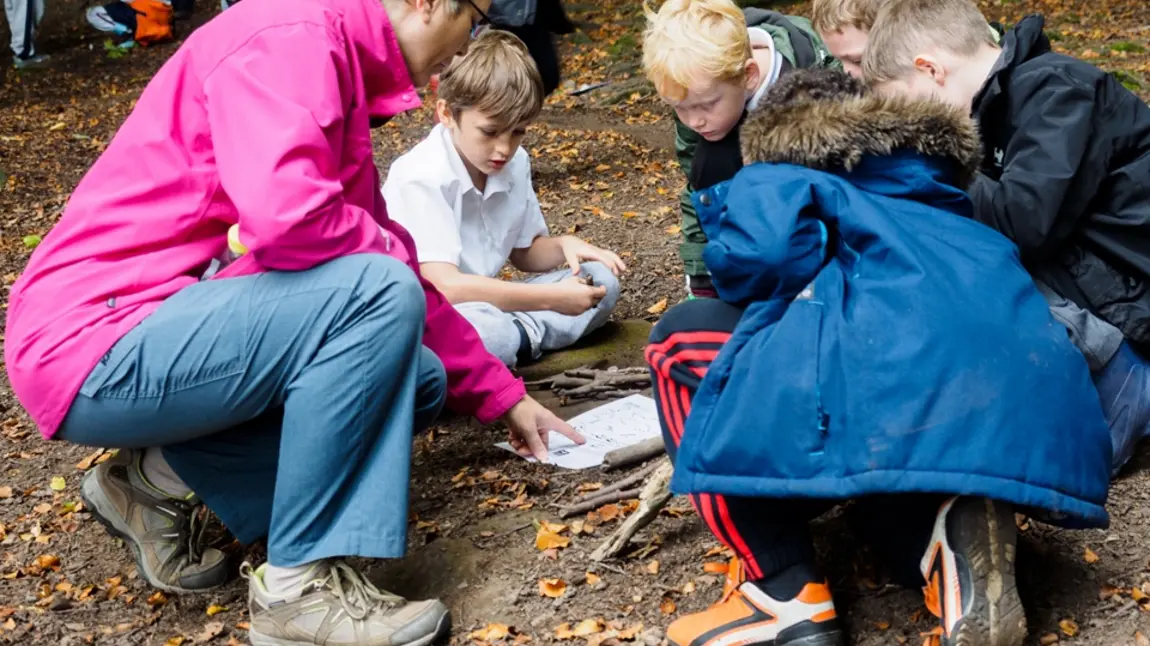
[(1066, 175)]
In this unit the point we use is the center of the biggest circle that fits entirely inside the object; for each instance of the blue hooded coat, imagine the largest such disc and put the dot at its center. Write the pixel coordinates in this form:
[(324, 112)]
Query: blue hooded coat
[(890, 343)]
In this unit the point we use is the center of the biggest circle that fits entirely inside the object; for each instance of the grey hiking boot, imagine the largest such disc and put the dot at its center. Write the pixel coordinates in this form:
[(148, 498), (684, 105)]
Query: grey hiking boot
[(165, 533), (969, 572), (340, 607)]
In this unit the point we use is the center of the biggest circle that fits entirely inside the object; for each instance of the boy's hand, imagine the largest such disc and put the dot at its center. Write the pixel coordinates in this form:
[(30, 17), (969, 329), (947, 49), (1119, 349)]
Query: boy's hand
[(529, 427), (573, 296), (576, 251)]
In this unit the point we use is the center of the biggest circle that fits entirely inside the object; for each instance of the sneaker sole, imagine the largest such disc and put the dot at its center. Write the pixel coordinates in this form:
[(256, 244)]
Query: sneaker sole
[(95, 500), (442, 632), (983, 555)]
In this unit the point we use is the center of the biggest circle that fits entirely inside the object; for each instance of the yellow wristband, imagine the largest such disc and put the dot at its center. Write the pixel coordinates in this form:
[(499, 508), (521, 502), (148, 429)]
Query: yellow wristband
[(234, 243)]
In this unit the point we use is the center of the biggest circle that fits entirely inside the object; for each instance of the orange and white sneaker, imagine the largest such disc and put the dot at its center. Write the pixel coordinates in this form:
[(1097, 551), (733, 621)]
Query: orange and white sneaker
[(747, 616), (969, 572)]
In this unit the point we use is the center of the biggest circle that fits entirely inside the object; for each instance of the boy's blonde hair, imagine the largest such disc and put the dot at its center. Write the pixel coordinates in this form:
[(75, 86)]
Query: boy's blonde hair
[(688, 41), (829, 16), (497, 77), (903, 29)]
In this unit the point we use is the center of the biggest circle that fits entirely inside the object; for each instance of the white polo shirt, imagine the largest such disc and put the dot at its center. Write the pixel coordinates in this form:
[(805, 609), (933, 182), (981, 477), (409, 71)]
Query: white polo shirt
[(430, 193)]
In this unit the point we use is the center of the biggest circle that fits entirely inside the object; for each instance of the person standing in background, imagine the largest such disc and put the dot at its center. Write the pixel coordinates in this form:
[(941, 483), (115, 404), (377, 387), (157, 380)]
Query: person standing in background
[(535, 22), (24, 18)]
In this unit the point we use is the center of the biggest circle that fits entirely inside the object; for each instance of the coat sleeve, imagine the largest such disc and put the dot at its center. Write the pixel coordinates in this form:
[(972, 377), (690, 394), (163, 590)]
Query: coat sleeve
[(691, 249), (767, 236), (277, 133), (1048, 178), (478, 383)]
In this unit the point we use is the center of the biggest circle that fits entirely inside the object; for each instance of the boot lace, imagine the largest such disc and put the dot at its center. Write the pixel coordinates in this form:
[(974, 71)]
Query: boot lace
[(358, 596)]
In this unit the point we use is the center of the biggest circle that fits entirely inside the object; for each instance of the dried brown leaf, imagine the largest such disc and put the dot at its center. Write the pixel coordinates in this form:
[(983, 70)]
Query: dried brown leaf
[(1068, 627), (667, 606), (593, 578), (553, 588), (491, 633), (1048, 639), (1089, 556)]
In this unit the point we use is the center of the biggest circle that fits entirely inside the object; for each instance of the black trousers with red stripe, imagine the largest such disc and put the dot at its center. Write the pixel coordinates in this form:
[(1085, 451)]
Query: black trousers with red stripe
[(768, 535)]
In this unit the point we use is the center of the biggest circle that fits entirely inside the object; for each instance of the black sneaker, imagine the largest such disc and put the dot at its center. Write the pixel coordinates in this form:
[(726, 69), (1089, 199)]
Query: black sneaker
[(969, 572)]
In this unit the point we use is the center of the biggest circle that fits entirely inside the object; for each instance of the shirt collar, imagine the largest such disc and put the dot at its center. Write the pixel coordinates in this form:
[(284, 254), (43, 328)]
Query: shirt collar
[(496, 183), (386, 79)]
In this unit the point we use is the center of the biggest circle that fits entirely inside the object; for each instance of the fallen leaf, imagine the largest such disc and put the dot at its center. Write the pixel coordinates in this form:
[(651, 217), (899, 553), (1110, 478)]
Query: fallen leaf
[(1138, 595), (490, 633), (175, 641), (653, 567), (629, 214), (611, 511), (1068, 627), (553, 588), (10, 624), (667, 606), (157, 598), (602, 167), (89, 460), (715, 567), (592, 578), (882, 625), (43, 508), (210, 631), (59, 484), (1048, 639), (674, 230), (589, 486), (214, 610), (688, 588), (1090, 556), (243, 625), (658, 308), (719, 550), (587, 627), (545, 540), (1107, 591), (5, 492), (552, 554), (48, 561), (1140, 639), (563, 631)]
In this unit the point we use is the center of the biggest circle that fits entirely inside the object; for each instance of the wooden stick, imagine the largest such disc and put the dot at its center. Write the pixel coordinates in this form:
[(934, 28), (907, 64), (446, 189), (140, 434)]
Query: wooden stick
[(635, 453), (598, 502), (654, 497), (624, 483)]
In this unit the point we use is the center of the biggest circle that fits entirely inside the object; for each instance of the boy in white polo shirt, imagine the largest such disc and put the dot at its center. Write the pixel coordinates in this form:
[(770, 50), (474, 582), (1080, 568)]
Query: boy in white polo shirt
[(464, 193)]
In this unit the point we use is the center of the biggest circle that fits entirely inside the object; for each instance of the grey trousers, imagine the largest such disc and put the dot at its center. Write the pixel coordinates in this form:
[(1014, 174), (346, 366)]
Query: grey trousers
[(547, 330), (24, 17), (1096, 339)]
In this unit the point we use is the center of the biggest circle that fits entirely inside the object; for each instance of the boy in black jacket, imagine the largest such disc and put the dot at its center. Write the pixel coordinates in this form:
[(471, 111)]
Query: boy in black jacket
[(1065, 175)]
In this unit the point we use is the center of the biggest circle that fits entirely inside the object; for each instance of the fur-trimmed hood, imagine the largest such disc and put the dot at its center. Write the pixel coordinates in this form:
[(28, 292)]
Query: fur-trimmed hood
[(822, 120)]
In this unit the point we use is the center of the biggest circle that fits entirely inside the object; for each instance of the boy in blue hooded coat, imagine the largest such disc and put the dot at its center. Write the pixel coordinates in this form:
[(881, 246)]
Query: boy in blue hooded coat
[(872, 342)]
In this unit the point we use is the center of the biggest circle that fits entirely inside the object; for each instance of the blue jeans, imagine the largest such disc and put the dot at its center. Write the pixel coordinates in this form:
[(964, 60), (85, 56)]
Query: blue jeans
[(286, 401)]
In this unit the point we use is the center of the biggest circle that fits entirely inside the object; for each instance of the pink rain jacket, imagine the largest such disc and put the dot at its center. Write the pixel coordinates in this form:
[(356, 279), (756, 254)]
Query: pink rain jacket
[(262, 118)]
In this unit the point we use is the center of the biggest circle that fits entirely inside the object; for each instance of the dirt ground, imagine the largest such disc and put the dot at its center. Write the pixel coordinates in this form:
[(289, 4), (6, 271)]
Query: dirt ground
[(604, 170)]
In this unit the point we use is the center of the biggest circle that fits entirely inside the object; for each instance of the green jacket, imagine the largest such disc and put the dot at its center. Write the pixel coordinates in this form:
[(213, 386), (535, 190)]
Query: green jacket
[(799, 44)]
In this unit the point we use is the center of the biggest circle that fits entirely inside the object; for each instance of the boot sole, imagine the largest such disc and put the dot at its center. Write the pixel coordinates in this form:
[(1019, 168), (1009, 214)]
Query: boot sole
[(442, 632), (985, 548), (95, 500)]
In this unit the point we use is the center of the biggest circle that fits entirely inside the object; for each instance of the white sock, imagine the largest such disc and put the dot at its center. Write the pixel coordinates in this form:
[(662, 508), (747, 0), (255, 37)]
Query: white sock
[(161, 476), (288, 582)]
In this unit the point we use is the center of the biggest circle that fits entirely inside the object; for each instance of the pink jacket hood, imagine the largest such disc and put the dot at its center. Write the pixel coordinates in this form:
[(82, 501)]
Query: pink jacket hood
[(262, 118)]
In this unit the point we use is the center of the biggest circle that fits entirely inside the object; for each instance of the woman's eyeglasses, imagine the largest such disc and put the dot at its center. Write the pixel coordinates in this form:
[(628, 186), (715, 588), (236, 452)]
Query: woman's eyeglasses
[(480, 25)]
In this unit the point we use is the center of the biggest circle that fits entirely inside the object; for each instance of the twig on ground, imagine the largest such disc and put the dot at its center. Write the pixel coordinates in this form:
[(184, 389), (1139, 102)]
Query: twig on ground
[(624, 483), (629, 455), (597, 502), (513, 530), (653, 497)]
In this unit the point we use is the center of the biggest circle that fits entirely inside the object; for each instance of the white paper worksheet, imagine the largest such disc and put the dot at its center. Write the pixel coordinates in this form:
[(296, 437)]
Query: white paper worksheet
[(621, 423)]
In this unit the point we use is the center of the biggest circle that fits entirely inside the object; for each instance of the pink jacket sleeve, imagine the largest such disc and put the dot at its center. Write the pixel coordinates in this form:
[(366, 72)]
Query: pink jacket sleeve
[(276, 112), (477, 382)]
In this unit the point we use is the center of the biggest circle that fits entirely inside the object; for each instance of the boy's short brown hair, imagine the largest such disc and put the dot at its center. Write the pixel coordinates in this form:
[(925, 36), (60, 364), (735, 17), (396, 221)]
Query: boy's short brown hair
[(904, 29), (496, 77), (829, 16)]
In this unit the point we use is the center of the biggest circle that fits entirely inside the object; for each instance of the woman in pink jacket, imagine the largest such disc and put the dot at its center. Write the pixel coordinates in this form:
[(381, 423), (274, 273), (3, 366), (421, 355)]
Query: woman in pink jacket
[(284, 387)]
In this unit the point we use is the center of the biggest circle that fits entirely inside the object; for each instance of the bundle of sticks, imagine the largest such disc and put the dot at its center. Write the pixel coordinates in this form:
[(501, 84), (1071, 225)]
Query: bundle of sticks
[(589, 383)]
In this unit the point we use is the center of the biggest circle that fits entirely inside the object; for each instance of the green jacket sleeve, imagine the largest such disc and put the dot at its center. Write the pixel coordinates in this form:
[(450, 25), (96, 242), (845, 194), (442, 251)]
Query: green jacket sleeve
[(691, 249)]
